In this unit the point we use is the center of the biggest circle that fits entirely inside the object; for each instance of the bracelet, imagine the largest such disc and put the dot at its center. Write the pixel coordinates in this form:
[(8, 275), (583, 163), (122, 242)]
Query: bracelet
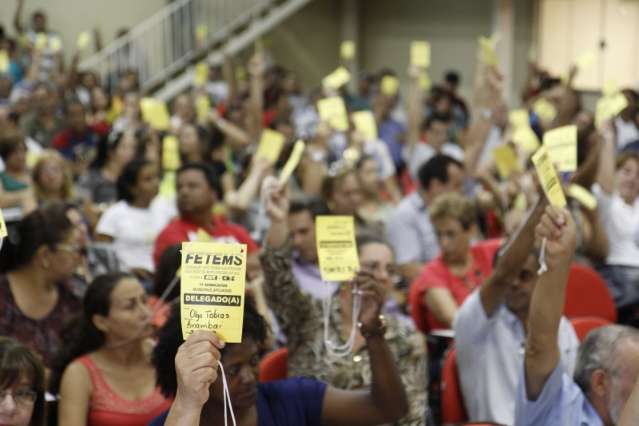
[(377, 329)]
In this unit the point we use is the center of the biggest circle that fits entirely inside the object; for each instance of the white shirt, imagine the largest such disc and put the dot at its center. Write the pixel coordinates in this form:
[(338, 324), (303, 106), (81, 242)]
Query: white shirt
[(490, 354), (626, 132), (134, 230), (621, 222), (422, 152)]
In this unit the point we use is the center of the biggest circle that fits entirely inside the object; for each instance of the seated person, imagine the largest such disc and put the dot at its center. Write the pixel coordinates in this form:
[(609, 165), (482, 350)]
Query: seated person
[(446, 281), (104, 373), (22, 380), (198, 190), (15, 182), (607, 362), (490, 330), (52, 178), (188, 371)]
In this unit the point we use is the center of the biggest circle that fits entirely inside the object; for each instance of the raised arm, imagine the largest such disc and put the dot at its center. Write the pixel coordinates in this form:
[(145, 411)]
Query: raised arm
[(415, 109), (17, 18), (256, 101), (239, 200), (606, 175), (542, 350), (237, 136)]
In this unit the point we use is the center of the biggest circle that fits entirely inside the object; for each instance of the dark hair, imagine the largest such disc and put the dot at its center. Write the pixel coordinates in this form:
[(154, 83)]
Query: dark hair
[(338, 171), (129, 178), (170, 338), (315, 206), (367, 238), (16, 362), (436, 169), (47, 225), (363, 159), (435, 118), (209, 175), (9, 143), (79, 335), (452, 77), (108, 144), (70, 103), (165, 271)]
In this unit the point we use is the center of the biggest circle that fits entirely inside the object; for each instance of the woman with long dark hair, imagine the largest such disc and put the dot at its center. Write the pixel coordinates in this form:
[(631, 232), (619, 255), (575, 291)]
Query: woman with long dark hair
[(104, 374)]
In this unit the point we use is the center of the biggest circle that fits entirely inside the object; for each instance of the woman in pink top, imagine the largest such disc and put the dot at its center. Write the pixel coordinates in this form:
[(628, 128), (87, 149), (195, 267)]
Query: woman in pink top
[(104, 373)]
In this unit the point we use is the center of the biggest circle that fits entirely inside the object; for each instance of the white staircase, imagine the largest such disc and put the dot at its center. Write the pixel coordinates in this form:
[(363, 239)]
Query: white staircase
[(164, 46)]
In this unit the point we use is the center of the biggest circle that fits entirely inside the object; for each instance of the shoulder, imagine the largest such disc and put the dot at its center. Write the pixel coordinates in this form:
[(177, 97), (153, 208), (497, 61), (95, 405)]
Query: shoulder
[(77, 374)]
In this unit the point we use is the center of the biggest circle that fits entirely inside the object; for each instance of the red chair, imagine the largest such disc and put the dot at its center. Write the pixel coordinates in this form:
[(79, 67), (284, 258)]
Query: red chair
[(587, 295), (452, 401), (274, 366), (584, 325)]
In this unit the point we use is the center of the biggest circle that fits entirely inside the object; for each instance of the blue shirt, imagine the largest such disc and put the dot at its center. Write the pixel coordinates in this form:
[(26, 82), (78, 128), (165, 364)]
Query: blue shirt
[(291, 402), (561, 403)]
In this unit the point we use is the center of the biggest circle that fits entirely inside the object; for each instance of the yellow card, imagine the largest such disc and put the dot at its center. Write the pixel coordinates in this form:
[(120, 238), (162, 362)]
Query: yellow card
[(609, 106), (201, 74), (41, 41), (292, 162), (424, 81), (170, 153), (336, 248), (333, 111), (487, 53), (506, 160), (337, 78), (84, 38), (240, 73), (4, 61), (562, 147), (610, 87), (526, 138), (155, 113), (202, 107), (201, 32), (364, 122), (347, 49), (167, 186), (548, 177), (586, 60), (55, 43), (582, 195), (519, 118), (3, 226), (520, 202), (389, 85), (212, 281), (545, 110), (420, 54), (271, 144)]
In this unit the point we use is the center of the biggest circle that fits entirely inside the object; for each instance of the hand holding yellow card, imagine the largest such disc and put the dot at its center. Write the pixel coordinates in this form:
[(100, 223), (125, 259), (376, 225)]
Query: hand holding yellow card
[(548, 177), (213, 277), (487, 53), (337, 78), (170, 153), (292, 162), (336, 248), (347, 49), (201, 32), (201, 74), (506, 160), (271, 144), (562, 147), (155, 113), (389, 85), (84, 38), (420, 54), (333, 111), (424, 81), (582, 195), (3, 226), (609, 107), (545, 110), (202, 107), (364, 122)]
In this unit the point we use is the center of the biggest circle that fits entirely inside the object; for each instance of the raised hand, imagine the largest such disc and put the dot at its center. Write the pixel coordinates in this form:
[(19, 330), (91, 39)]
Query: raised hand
[(558, 228), (373, 295), (275, 199)]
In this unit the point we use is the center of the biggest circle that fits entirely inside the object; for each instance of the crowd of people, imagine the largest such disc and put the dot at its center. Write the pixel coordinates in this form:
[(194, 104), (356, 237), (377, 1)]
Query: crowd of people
[(98, 197)]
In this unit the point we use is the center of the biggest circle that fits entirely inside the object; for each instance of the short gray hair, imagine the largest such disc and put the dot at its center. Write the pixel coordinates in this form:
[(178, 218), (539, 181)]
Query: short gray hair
[(600, 351)]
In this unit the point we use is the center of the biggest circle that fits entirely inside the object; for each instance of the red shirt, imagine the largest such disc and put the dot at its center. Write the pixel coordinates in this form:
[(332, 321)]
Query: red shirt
[(180, 230), (437, 275)]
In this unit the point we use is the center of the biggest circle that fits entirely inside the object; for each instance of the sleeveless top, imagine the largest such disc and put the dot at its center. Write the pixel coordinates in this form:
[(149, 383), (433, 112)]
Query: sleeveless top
[(10, 184), (106, 408)]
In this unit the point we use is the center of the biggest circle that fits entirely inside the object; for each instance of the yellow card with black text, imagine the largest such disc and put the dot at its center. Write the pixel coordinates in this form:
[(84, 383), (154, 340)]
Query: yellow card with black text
[(548, 177), (212, 285), (336, 248)]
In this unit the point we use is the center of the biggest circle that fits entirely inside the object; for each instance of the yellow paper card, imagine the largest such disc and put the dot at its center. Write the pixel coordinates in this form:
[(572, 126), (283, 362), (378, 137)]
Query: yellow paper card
[(545, 110), (420, 54), (84, 38), (610, 88), (155, 113), (167, 186), (347, 49), (170, 153), (336, 248), (609, 106), (212, 281), (525, 138), (520, 202), (55, 43), (582, 195), (201, 32), (3, 226), (202, 107), (562, 147), (389, 85), (586, 60), (292, 162), (271, 144), (518, 118), (4, 61), (424, 81), (548, 177), (487, 53), (364, 122), (201, 74), (333, 111), (506, 160), (337, 78), (41, 41)]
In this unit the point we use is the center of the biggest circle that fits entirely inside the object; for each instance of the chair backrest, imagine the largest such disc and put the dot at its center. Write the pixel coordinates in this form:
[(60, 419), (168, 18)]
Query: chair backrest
[(587, 295), (584, 325), (452, 401), (274, 366)]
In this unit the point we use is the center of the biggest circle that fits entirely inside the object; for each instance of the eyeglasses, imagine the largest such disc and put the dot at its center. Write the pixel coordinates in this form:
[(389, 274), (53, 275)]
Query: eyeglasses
[(376, 267), (20, 396)]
